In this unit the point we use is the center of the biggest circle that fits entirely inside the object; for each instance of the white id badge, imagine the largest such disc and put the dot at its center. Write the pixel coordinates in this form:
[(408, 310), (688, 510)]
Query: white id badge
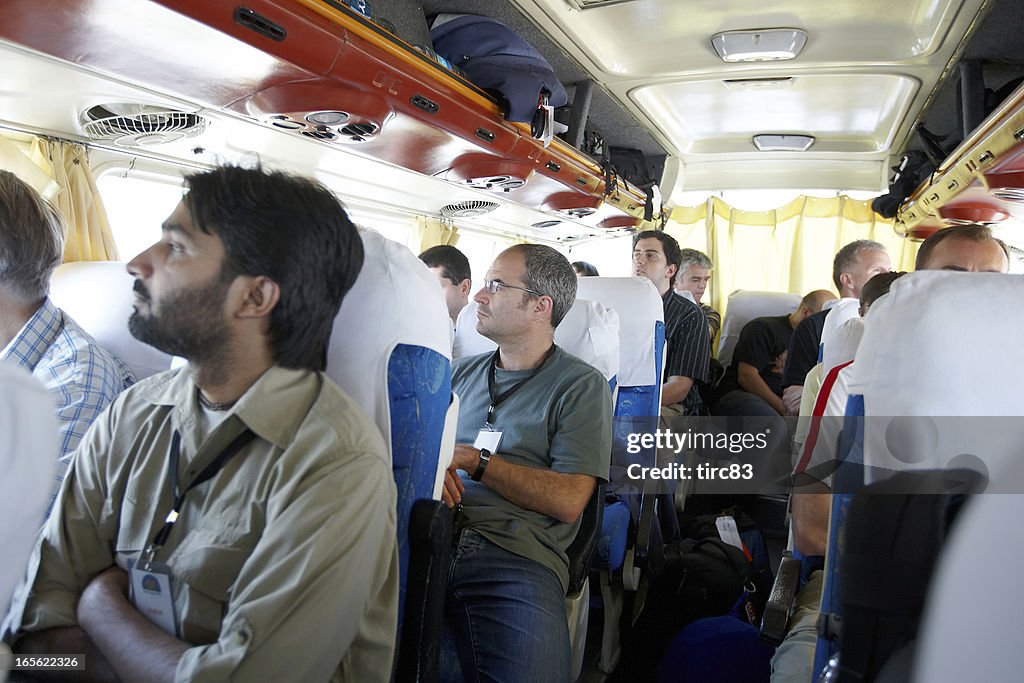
[(488, 439), (151, 595)]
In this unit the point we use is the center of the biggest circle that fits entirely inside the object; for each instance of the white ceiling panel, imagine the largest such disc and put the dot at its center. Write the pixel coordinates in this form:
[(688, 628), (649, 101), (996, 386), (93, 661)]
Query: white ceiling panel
[(847, 113)]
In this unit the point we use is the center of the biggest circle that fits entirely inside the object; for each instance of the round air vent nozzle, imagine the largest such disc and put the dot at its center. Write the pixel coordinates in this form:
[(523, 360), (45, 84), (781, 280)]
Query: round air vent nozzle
[(468, 209)]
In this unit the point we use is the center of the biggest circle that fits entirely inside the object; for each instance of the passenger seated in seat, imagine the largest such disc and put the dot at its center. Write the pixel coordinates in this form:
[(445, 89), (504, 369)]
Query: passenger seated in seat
[(584, 269), (694, 273), (452, 269), (247, 501), (854, 264), (534, 436), (753, 382), (656, 256), (969, 248), (83, 376)]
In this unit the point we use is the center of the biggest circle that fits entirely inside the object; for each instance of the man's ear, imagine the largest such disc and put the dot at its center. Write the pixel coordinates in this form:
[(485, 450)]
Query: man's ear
[(846, 280), (543, 306), (465, 286), (671, 271), (261, 295)]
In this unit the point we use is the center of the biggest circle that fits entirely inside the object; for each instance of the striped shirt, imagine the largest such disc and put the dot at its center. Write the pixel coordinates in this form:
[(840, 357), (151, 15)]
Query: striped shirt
[(688, 351), (82, 375), (714, 320)]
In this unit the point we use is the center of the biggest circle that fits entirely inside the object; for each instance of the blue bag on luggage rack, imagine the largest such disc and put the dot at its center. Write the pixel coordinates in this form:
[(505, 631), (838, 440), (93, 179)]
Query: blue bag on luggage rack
[(497, 59)]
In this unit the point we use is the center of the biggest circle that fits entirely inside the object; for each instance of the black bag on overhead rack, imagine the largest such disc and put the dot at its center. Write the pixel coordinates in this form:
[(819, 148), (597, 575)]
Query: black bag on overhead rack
[(497, 59)]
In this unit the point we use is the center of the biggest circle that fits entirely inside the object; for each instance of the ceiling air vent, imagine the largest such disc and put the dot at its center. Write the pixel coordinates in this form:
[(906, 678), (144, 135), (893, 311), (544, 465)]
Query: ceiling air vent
[(497, 183), (131, 125), (580, 212), (468, 209), (359, 132)]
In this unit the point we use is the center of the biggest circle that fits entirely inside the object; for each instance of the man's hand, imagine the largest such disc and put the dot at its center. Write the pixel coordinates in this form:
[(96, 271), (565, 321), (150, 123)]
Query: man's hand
[(465, 458), (791, 397)]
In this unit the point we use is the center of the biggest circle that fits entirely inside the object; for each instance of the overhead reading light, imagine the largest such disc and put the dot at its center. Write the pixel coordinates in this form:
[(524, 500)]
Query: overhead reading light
[(783, 143), (766, 45)]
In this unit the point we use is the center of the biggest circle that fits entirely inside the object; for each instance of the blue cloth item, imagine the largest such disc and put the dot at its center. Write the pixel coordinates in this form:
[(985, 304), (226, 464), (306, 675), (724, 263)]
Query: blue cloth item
[(717, 650), (504, 618), (84, 377), (496, 58)]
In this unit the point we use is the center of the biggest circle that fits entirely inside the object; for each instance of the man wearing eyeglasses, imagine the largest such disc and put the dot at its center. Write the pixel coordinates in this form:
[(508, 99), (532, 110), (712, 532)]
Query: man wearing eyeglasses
[(534, 436)]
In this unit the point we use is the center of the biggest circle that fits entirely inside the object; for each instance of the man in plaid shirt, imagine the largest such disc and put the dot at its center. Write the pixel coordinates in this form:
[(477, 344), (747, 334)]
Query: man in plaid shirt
[(35, 334)]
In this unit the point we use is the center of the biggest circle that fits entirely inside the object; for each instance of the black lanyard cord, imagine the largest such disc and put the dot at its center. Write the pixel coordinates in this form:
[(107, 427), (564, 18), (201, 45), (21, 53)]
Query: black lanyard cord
[(208, 473), (499, 399)]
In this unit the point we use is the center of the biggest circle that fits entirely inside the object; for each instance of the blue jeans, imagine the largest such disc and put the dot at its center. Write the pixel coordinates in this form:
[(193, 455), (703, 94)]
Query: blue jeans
[(504, 617)]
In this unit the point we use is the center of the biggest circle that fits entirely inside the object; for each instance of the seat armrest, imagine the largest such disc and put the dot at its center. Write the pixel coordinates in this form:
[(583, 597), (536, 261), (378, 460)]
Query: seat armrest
[(780, 600)]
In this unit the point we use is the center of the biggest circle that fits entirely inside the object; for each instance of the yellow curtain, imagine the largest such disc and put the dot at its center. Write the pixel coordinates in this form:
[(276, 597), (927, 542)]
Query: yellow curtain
[(789, 249), (433, 232), (89, 237), (60, 172)]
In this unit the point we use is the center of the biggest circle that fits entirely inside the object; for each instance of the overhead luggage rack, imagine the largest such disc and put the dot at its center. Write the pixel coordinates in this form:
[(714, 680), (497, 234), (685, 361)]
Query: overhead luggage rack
[(982, 181), (320, 70)]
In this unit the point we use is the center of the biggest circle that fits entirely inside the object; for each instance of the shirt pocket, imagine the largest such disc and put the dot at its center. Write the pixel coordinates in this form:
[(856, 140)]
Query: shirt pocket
[(207, 563)]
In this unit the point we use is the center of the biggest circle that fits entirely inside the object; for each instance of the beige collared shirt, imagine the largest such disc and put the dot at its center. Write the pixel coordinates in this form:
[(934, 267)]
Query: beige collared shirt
[(285, 564)]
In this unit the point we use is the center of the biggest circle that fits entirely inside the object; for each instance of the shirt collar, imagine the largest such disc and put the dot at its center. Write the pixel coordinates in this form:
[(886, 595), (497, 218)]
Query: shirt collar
[(35, 337), (274, 406)]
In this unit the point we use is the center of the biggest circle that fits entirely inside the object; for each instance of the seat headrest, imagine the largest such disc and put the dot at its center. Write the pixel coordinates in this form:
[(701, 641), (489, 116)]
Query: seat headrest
[(842, 310), (640, 310), (590, 331), (98, 296), (940, 369), (744, 306), (927, 343), (842, 345), (395, 300)]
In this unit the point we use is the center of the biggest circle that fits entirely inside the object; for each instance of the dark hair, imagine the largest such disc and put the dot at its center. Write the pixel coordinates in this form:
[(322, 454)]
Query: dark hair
[(847, 258), (673, 254), (549, 272), (454, 264), (878, 286), (974, 232), (31, 239), (585, 269), (292, 230)]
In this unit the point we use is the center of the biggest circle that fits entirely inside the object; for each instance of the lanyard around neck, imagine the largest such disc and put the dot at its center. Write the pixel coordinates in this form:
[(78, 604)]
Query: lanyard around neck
[(497, 400), (208, 472)]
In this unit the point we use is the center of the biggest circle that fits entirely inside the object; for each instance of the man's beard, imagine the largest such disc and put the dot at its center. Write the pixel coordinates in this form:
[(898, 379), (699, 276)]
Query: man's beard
[(188, 323)]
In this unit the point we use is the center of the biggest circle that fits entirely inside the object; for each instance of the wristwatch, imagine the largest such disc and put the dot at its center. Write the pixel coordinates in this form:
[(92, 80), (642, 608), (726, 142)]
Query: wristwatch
[(485, 458)]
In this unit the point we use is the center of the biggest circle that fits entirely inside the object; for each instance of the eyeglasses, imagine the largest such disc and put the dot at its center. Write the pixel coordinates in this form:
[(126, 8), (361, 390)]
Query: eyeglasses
[(495, 286)]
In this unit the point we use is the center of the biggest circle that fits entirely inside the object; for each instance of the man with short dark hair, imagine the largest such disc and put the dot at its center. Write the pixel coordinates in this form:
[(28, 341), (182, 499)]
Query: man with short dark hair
[(534, 437), (656, 256), (853, 266), (35, 334), (452, 269), (245, 499), (969, 248), (693, 277)]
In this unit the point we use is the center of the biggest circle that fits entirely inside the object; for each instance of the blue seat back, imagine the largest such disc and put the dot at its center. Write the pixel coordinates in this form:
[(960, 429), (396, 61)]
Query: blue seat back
[(390, 350)]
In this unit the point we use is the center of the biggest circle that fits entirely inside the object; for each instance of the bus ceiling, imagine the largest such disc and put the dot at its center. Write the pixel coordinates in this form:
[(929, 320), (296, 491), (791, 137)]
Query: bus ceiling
[(699, 96)]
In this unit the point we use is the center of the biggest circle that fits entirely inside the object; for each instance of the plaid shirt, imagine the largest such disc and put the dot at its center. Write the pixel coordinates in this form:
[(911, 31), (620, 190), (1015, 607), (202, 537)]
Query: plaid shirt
[(83, 375)]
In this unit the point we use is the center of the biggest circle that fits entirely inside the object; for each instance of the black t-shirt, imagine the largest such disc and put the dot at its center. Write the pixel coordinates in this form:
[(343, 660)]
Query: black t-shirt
[(803, 349), (763, 343)]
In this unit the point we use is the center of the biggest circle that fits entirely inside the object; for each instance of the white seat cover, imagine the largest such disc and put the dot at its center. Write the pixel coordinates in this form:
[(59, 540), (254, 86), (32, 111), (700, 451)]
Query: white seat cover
[(395, 300), (98, 296), (944, 348), (743, 307), (639, 309)]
